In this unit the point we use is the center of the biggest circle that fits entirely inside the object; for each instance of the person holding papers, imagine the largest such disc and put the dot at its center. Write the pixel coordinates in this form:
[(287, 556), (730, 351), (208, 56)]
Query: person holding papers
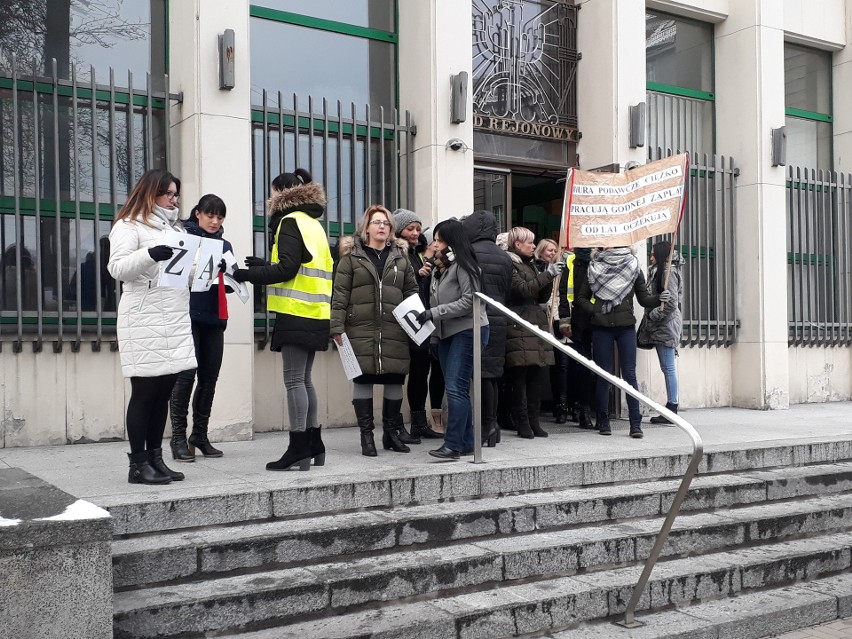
[(457, 277), (153, 325), (298, 290), (372, 278), (208, 311)]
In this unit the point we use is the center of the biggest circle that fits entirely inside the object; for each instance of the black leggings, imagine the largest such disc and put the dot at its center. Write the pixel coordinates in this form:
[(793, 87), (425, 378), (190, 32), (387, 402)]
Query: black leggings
[(147, 411), (423, 366)]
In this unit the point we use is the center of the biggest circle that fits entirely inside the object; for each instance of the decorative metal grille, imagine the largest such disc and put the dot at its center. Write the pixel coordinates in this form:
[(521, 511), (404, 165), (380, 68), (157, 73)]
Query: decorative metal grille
[(525, 60)]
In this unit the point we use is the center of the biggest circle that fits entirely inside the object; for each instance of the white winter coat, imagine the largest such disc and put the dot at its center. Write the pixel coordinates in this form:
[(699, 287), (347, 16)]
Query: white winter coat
[(154, 329)]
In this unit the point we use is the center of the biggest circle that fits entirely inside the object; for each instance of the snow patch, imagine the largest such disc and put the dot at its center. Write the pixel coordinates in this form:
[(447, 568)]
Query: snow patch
[(80, 509)]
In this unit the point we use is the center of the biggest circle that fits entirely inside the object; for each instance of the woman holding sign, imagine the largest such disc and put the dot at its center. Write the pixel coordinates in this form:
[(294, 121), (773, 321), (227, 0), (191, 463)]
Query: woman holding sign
[(208, 311), (372, 278), (298, 290), (153, 327)]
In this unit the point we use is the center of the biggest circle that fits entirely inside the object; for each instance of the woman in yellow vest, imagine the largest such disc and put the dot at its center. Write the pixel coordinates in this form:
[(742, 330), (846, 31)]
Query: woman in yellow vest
[(298, 282)]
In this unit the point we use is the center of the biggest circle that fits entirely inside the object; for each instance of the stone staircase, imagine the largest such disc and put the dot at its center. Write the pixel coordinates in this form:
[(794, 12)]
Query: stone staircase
[(763, 545)]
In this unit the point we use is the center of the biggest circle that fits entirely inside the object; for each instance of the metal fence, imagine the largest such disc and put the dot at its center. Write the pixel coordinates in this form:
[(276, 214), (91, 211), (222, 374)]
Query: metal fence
[(361, 155), (70, 153), (819, 240), (706, 240)]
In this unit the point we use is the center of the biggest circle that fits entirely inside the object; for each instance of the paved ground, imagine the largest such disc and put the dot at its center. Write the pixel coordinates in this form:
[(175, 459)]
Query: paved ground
[(840, 629)]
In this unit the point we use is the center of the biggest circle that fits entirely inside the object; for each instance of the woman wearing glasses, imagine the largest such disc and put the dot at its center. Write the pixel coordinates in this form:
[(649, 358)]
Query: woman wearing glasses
[(208, 311), (374, 275), (154, 332)]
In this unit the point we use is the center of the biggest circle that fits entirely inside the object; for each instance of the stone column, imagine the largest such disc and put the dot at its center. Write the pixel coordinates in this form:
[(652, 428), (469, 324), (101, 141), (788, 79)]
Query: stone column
[(749, 103), (435, 42), (211, 153), (842, 108)]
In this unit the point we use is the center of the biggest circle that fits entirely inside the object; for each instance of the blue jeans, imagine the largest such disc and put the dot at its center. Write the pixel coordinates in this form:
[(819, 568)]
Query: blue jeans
[(666, 355), (603, 343), (456, 356)]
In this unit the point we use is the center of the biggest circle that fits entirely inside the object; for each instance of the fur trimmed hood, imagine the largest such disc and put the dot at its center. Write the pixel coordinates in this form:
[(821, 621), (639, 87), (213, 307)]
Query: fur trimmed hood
[(295, 197), (350, 243)]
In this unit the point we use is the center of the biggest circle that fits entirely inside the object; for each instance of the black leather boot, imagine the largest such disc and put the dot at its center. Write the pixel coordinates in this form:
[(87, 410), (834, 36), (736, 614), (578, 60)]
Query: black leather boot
[(420, 427), (585, 418), (317, 447), (298, 452), (155, 458), (602, 424), (659, 419), (522, 423), (364, 415), (178, 409), (535, 426), (202, 404), (560, 413), (141, 472), (392, 426), (636, 429)]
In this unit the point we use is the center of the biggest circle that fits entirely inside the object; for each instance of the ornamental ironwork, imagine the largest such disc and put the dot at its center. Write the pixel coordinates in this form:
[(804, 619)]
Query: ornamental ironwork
[(524, 67)]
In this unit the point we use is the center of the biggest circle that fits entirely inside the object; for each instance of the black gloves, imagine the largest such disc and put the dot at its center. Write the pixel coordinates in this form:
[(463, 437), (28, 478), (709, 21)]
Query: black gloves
[(251, 260), (223, 265), (241, 274), (160, 253), (425, 316)]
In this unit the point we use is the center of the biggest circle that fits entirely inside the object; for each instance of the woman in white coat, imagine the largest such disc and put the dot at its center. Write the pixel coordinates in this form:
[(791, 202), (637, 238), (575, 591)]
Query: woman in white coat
[(154, 329)]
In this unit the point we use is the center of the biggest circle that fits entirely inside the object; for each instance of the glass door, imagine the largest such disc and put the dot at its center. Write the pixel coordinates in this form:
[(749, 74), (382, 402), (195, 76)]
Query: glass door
[(492, 189)]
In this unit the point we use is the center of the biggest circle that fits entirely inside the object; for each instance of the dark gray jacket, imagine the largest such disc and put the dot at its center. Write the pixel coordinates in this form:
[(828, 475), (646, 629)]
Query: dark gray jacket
[(663, 326), (451, 302)]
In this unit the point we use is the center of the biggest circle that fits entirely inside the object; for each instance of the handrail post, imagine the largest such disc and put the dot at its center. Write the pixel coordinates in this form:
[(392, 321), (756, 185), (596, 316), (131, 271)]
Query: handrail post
[(476, 387)]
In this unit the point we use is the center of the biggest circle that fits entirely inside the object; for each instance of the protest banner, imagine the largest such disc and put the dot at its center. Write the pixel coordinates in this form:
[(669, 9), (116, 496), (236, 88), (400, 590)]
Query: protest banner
[(620, 209)]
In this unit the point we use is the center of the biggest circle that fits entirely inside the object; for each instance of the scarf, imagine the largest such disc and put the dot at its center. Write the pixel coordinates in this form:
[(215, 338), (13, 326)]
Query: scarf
[(612, 273)]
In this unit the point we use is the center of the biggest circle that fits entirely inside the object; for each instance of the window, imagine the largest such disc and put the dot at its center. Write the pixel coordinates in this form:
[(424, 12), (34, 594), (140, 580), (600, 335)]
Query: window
[(679, 76), (807, 97)]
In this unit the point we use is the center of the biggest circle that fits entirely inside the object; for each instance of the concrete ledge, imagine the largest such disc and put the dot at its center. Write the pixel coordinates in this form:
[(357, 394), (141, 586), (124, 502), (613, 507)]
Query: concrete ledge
[(55, 562)]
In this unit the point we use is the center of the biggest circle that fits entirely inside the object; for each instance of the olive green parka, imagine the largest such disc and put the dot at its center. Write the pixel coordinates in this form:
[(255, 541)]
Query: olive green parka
[(531, 289), (362, 305)]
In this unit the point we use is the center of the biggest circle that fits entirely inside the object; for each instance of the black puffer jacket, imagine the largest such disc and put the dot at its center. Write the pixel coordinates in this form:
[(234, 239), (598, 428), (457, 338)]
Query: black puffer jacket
[(204, 305), (312, 334), (496, 265), (530, 289)]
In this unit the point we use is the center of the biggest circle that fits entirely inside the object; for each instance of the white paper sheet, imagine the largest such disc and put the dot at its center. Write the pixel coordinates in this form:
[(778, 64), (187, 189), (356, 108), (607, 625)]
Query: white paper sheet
[(240, 288), (175, 271), (406, 314), (351, 367), (206, 272)]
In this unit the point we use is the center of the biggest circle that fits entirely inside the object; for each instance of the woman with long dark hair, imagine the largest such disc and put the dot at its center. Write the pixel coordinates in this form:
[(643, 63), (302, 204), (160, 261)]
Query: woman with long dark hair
[(457, 277), (153, 325), (662, 326)]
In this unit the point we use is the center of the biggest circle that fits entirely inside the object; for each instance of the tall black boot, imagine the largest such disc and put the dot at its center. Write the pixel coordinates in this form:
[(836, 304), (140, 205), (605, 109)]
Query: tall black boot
[(533, 413), (155, 458), (392, 426), (141, 472), (298, 452), (659, 419), (364, 415), (420, 426), (202, 404), (178, 409), (317, 447)]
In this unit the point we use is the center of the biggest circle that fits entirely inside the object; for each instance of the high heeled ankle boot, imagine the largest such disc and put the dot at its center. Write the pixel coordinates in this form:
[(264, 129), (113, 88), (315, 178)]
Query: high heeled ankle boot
[(202, 404), (585, 418), (420, 427), (155, 458), (178, 409), (366, 424), (317, 447), (141, 471), (659, 419), (392, 426), (298, 452)]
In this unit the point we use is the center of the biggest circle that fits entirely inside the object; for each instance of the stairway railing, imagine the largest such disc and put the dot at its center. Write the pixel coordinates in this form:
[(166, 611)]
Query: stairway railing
[(697, 445)]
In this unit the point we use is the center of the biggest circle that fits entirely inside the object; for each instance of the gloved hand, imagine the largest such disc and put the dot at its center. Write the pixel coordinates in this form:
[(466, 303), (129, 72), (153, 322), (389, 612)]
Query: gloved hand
[(223, 265), (425, 316), (241, 274), (160, 253), (251, 260), (665, 296), (556, 268)]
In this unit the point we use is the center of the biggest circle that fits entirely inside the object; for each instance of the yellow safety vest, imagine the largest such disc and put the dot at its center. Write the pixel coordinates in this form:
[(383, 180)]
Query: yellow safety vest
[(309, 293), (569, 265)]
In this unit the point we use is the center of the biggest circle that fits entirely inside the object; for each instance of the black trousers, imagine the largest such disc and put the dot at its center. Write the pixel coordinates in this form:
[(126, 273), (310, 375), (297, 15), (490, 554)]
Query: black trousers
[(424, 376), (147, 411), (525, 383)]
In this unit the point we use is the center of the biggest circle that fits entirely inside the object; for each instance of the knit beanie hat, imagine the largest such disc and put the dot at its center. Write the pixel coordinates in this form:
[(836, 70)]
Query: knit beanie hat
[(404, 217)]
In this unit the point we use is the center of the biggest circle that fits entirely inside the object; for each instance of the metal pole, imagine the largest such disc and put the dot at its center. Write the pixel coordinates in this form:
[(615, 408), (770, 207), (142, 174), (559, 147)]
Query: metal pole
[(476, 387)]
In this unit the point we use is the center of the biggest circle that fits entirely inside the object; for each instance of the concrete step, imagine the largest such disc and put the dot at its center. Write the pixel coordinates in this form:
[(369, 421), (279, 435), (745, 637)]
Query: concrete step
[(554, 605), (281, 595), (317, 492), (195, 554)]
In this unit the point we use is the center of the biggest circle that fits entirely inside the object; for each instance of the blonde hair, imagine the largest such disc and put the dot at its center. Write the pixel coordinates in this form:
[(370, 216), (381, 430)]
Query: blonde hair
[(502, 240), (364, 222), (519, 234), (544, 244)]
